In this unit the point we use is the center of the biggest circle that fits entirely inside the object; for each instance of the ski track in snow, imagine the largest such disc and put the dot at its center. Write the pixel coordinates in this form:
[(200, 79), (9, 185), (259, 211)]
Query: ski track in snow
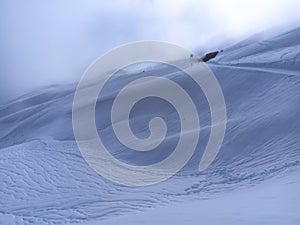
[(45, 180)]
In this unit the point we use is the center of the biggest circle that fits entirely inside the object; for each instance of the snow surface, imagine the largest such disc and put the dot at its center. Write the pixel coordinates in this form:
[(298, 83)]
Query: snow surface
[(253, 180)]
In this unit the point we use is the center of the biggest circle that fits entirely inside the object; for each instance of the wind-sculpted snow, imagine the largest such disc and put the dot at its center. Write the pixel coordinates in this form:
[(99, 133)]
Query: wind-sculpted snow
[(281, 52), (44, 179)]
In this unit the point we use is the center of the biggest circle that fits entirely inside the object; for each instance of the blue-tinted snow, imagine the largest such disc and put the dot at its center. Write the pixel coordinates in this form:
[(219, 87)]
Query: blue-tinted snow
[(44, 179)]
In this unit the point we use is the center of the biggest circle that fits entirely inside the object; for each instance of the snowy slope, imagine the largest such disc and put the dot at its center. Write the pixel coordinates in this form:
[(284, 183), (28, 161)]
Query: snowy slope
[(281, 51), (253, 205), (44, 179)]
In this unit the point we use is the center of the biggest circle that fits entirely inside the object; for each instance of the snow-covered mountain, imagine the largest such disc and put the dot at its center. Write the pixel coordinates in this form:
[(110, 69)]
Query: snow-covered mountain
[(254, 179)]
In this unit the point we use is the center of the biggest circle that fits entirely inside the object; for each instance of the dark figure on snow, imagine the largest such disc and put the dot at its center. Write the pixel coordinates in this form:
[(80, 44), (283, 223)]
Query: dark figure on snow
[(210, 56)]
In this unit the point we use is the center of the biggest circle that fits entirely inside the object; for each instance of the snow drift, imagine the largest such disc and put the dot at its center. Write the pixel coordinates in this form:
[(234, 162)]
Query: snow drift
[(44, 179)]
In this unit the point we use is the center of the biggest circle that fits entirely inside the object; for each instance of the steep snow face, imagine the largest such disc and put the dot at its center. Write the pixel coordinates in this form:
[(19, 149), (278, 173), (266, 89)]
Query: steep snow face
[(44, 179), (281, 52)]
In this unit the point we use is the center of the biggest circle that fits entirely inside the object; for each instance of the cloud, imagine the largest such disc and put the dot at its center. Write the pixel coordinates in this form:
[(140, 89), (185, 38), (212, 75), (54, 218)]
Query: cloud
[(46, 42)]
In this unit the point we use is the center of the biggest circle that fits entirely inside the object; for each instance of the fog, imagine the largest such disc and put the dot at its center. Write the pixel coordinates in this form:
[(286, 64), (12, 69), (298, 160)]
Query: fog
[(53, 42)]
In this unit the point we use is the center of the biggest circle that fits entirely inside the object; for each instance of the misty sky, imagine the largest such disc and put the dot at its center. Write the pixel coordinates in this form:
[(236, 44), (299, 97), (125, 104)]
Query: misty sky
[(53, 42)]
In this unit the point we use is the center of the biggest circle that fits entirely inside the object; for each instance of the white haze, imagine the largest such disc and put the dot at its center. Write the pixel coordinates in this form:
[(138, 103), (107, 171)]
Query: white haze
[(52, 42)]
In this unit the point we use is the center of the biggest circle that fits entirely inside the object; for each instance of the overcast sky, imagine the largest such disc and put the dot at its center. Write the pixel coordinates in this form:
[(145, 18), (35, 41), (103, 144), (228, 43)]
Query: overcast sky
[(51, 42)]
